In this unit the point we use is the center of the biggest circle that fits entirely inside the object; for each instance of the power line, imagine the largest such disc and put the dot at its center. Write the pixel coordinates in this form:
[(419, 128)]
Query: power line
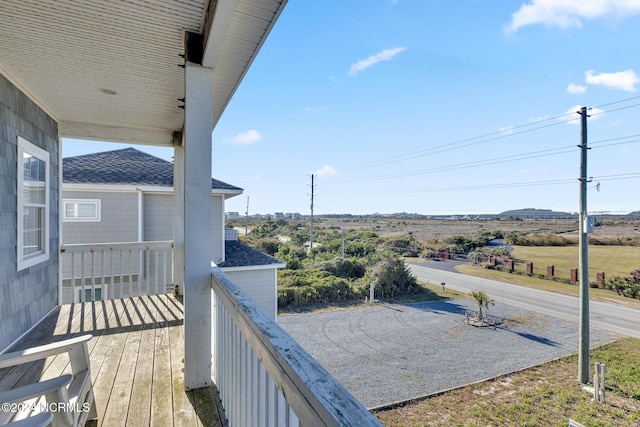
[(488, 137), (477, 163), (618, 102), (497, 160), (631, 175), (457, 145)]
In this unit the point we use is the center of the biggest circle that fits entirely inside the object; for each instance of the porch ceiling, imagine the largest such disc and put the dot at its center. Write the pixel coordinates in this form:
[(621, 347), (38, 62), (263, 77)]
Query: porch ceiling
[(70, 56)]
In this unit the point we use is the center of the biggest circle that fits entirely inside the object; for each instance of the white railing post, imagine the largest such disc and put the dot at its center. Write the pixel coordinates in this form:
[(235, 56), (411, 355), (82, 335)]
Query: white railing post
[(121, 276), (93, 275), (82, 280), (113, 286)]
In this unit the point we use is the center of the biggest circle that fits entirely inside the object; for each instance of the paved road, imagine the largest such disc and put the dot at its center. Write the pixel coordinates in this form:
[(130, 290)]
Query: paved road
[(609, 317)]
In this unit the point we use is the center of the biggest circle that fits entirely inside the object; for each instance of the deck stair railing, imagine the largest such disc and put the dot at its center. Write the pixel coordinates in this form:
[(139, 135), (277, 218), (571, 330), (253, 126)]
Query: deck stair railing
[(101, 271)]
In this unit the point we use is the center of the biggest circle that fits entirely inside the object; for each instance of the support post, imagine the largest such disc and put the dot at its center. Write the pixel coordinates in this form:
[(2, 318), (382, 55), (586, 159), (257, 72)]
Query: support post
[(178, 219), (198, 247), (583, 340), (311, 225)]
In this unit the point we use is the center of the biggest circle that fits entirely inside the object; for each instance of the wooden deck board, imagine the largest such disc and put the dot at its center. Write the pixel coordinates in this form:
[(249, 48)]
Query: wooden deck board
[(183, 410), (140, 405), (137, 359), (162, 403)]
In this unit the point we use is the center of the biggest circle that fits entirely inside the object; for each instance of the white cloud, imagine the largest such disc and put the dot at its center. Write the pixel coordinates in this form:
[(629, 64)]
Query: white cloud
[(508, 130), (570, 13), (625, 80), (576, 89), (538, 119), (246, 138), (385, 55), (326, 171), (593, 113)]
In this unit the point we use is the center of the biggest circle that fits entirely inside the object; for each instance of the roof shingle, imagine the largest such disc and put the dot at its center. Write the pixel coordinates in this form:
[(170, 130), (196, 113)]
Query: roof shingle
[(238, 254), (125, 166)]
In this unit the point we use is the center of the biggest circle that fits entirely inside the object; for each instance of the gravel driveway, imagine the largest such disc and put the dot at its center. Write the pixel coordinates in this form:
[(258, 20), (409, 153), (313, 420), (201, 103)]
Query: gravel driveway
[(388, 353)]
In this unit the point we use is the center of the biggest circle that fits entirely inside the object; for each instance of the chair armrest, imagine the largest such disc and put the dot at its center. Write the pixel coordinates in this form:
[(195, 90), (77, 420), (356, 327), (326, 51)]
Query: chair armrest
[(30, 391), (43, 419), (42, 352)]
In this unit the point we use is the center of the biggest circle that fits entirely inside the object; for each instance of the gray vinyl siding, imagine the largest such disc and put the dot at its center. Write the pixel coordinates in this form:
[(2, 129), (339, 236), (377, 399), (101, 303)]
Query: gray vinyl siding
[(158, 217), (118, 223), (217, 226), (260, 285), (119, 218), (27, 295)]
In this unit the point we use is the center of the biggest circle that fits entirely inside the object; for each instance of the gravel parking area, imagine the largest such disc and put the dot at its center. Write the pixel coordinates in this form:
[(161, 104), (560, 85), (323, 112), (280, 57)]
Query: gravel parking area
[(388, 353)]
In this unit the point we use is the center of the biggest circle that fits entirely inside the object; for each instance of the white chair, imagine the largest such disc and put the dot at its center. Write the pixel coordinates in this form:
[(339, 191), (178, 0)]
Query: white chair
[(73, 392)]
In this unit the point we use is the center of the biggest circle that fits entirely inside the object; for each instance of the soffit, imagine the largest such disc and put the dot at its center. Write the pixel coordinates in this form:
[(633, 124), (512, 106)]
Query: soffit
[(69, 55)]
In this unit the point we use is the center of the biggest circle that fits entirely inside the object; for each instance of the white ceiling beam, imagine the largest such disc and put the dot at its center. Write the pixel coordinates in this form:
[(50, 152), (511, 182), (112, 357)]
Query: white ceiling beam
[(127, 135), (217, 30)]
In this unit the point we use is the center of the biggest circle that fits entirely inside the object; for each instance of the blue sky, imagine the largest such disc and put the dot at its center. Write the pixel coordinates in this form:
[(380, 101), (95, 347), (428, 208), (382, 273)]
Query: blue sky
[(435, 107)]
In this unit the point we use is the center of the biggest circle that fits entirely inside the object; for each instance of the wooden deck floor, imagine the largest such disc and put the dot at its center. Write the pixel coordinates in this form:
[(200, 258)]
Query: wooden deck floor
[(136, 356)]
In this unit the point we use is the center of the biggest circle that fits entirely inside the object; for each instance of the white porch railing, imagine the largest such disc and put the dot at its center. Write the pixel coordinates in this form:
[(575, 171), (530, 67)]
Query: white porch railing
[(230, 234), (101, 271), (263, 375)]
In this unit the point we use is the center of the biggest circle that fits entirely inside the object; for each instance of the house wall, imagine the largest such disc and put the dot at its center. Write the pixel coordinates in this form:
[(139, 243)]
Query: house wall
[(217, 227), (29, 294), (158, 216), (118, 222), (260, 285)]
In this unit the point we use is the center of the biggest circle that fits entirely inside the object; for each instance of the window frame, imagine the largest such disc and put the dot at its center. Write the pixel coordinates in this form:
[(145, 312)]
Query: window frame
[(42, 255), (95, 202), (79, 290)]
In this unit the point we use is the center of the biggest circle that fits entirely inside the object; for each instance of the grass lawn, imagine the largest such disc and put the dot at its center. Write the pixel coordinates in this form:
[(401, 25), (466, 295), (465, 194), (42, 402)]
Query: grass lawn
[(546, 395), (613, 260)]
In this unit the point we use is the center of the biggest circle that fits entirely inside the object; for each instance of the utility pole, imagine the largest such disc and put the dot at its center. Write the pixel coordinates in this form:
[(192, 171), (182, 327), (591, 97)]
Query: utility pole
[(311, 228), (246, 218), (583, 340)]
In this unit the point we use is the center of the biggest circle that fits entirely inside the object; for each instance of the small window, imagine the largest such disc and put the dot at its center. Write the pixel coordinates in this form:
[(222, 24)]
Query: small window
[(33, 204), (97, 296), (82, 210)]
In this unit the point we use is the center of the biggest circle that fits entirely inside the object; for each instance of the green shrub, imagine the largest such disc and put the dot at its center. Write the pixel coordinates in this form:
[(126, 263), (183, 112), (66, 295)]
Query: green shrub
[(346, 268), (392, 278)]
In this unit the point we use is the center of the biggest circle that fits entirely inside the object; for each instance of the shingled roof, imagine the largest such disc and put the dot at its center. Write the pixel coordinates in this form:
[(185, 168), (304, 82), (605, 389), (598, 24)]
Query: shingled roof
[(238, 254), (125, 166)]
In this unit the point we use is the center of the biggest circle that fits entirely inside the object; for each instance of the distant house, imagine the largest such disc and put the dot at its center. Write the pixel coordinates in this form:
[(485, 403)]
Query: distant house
[(127, 196), (233, 215)]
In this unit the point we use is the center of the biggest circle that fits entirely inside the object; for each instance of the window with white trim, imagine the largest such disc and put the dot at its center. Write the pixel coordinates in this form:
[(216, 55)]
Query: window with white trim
[(33, 204), (83, 210)]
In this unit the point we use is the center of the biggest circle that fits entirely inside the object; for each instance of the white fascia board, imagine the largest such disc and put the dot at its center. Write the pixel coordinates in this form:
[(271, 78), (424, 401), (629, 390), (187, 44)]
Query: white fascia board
[(254, 267), (227, 192), (222, 18), (119, 188), (127, 135), (74, 186)]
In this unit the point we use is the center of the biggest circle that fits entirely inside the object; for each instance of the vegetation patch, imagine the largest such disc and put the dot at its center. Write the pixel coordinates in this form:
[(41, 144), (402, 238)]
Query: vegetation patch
[(544, 395)]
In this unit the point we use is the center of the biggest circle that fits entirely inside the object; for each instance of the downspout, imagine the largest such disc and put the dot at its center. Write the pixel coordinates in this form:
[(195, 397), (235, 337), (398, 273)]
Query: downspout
[(60, 215), (143, 254)]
